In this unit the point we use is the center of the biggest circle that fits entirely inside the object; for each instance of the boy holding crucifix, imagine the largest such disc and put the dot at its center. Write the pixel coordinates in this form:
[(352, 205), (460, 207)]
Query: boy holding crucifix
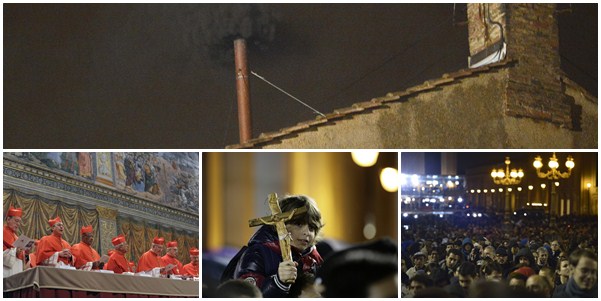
[(283, 250)]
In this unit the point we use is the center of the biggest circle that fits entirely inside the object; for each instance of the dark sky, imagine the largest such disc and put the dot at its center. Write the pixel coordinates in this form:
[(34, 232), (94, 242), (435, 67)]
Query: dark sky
[(162, 76), (469, 160)]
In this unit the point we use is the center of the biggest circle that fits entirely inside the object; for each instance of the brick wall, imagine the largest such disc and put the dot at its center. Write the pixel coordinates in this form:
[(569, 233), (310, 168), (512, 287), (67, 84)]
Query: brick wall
[(534, 89)]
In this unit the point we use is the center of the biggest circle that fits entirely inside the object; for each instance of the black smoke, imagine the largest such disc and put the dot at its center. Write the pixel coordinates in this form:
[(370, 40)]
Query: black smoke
[(212, 29)]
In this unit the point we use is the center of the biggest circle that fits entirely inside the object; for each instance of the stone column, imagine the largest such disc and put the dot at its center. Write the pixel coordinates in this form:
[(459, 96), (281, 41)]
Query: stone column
[(108, 228)]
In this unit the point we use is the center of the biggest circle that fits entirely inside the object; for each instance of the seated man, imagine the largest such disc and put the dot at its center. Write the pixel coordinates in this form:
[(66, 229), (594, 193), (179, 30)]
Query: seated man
[(15, 259), (117, 262), (171, 258), (152, 258), (84, 252), (54, 243), (192, 267)]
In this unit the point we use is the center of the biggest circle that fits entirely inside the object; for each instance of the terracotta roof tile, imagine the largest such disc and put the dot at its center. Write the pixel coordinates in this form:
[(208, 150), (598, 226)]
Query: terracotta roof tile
[(349, 110), (368, 104), (317, 121), (374, 103)]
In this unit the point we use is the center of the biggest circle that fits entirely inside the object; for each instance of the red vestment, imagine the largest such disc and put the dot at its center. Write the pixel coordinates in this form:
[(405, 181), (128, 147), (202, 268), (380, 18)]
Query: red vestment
[(117, 263), (9, 237), (190, 269), (51, 244), (32, 260), (148, 261), (84, 253), (178, 269)]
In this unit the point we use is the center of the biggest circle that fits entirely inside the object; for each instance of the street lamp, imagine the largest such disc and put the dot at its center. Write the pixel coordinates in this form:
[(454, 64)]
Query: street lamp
[(507, 178), (553, 174)]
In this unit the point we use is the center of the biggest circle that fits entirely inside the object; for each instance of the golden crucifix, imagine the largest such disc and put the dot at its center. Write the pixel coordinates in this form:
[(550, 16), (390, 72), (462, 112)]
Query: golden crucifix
[(278, 219)]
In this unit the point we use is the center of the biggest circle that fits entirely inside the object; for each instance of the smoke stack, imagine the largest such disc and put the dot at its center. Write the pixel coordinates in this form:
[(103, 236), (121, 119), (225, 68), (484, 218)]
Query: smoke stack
[(243, 90)]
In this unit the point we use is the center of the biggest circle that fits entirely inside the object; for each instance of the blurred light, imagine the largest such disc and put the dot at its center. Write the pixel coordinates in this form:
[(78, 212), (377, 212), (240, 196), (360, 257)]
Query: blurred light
[(440, 215), (369, 231), (427, 205), (389, 177), (527, 204), (450, 184), (405, 214), (474, 215), (500, 189), (456, 177), (515, 213), (545, 204), (479, 214), (459, 200), (588, 185), (538, 162), (543, 185), (570, 162), (537, 204), (415, 216), (472, 191), (365, 158), (478, 191), (428, 182), (530, 187), (450, 206), (509, 189), (449, 177), (556, 184), (525, 214), (468, 214), (467, 206), (435, 177), (450, 198), (423, 188), (456, 183), (414, 180), (485, 190), (434, 182), (406, 227), (553, 164), (519, 188), (492, 190)]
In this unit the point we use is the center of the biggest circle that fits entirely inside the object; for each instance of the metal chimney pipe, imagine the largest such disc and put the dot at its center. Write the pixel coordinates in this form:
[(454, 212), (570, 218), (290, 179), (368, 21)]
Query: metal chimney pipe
[(243, 91)]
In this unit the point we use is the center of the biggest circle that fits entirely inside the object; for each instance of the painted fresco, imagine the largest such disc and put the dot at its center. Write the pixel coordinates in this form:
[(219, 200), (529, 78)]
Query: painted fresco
[(171, 179)]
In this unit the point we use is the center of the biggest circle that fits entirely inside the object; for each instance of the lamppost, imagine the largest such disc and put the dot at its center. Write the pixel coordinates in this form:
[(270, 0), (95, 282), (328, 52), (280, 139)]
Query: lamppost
[(553, 174), (507, 178)]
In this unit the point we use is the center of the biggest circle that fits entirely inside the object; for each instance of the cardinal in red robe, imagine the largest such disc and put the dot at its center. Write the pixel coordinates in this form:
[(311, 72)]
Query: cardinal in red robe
[(84, 252), (192, 267), (117, 262), (171, 258), (152, 258), (13, 223), (54, 243)]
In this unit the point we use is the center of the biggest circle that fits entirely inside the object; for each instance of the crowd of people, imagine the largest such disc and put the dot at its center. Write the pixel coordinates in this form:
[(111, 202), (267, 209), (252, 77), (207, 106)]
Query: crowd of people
[(53, 250), (459, 256)]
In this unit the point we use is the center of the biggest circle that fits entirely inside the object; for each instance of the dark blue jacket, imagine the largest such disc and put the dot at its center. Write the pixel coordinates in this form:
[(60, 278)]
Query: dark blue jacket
[(259, 262)]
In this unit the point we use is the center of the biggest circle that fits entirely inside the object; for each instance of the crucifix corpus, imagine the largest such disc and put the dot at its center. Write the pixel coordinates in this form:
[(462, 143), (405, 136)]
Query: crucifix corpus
[(278, 219)]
